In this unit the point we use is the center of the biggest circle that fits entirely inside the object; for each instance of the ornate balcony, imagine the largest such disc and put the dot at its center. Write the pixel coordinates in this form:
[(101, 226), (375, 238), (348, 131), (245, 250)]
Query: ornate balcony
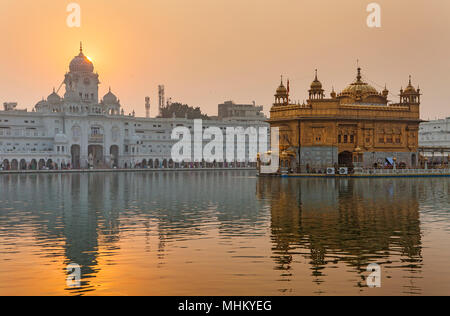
[(96, 139)]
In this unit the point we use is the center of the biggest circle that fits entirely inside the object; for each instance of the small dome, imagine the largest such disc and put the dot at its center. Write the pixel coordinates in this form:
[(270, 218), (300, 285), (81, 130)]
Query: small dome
[(410, 88), (61, 138), (81, 63), (316, 84), (281, 89), (54, 97), (110, 98), (41, 103)]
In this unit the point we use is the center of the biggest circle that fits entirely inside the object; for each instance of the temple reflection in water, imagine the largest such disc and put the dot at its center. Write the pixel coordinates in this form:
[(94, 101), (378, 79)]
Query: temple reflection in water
[(356, 223), (211, 232)]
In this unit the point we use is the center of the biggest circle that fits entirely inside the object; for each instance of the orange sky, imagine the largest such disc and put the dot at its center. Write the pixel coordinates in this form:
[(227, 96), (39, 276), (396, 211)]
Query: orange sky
[(209, 51)]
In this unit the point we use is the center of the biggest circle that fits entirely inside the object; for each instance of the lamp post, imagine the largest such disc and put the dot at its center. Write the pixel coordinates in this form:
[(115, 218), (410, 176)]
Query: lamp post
[(426, 162), (395, 163), (357, 154)]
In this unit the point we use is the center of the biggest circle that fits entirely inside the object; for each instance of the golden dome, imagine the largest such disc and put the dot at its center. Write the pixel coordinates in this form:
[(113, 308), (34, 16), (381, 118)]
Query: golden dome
[(359, 86), (316, 84), (282, 90)]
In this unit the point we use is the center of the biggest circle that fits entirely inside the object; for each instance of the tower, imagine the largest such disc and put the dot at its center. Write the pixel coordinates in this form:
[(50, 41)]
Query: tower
[(147, 107), (410, 95), (316, 91), (81, 82), (282, 94), (161, 95)]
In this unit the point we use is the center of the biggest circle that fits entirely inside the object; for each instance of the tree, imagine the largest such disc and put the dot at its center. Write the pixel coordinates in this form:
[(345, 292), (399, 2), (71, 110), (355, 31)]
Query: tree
[(181, 111)]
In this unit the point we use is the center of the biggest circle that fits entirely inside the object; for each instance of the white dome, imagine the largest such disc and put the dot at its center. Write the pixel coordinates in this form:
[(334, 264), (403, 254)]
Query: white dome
[(54, 97), (81, 63), (110, 98), (41, 104)]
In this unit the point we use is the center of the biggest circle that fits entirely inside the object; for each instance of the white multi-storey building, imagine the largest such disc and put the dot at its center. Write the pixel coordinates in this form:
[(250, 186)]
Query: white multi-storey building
[(435, 133), (434, 141), (79, 131)]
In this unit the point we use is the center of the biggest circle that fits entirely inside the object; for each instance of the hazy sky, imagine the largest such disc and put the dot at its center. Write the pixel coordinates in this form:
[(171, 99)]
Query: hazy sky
[(209, 51)]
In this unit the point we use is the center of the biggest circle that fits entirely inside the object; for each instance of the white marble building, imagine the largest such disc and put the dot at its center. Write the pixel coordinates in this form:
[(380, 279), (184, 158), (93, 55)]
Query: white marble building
[(79, 131), (434, 141)]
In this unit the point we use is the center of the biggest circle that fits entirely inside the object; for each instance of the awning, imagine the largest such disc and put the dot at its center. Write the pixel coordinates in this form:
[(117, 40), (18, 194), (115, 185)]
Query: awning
[(390, 160)]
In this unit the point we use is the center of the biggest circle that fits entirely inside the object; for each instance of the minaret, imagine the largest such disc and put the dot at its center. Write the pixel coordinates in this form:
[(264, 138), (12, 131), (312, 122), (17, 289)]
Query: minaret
[(161, 95), (147, 107)]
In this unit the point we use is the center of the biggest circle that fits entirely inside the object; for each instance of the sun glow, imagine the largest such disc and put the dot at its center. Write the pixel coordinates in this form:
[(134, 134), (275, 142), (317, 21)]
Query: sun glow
[(89, 58)]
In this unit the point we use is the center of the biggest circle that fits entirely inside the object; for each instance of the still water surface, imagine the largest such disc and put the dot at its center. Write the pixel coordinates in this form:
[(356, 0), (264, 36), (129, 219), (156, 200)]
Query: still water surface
[(222, 233)]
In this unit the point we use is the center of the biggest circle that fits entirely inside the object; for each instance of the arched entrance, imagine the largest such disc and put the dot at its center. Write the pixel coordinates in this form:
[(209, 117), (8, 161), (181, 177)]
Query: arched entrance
[(345, 158), (156, 164), (75, 153), (41, 164), (14, 164), (114, 153), (95, 155), (150, 163), (49, 164), (6, 164), (144, 163), (33, 164)]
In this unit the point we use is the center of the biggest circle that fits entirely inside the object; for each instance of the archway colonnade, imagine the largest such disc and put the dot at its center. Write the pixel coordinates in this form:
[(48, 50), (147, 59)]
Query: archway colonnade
[(32, 164)]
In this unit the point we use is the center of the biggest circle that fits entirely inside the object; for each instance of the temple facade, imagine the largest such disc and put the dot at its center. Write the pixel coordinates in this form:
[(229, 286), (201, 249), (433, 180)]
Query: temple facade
[(358, 127)]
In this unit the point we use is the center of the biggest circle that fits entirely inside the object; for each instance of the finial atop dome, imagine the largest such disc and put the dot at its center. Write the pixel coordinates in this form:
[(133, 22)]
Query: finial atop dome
[(81, 63), (359, 77), (281, 89), (410, 88)]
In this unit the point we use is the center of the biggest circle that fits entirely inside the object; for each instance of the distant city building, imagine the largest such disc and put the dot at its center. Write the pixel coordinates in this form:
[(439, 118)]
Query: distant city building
[(434, 140), (242, 112), (357, 127), (77, 130)]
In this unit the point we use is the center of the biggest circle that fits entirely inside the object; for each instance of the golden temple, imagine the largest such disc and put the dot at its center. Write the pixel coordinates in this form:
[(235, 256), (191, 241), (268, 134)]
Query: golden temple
[(359, 126)]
